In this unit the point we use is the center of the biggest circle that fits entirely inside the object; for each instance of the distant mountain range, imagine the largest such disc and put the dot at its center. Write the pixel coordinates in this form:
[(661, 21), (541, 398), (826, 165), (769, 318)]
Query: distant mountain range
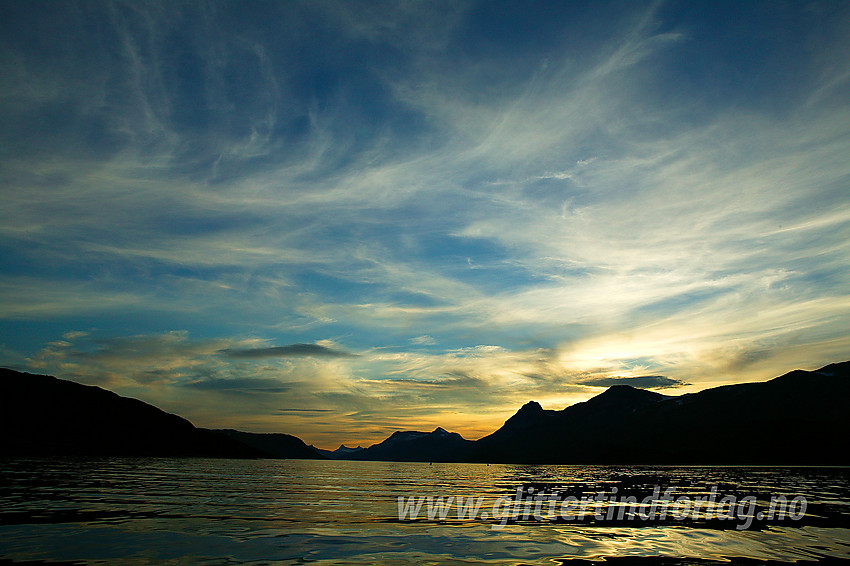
[(798, 418), (414, 446), (338, 454)]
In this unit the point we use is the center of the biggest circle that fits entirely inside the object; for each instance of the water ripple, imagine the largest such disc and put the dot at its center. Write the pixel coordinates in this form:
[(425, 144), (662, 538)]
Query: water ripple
[(146, 511)]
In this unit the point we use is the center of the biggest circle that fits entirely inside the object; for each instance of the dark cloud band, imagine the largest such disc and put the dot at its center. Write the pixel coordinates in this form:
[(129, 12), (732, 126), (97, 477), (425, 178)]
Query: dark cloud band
[(288, 351), (641, 382)]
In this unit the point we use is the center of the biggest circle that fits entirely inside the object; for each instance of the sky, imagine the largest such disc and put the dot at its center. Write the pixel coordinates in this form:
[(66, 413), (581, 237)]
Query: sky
[(341, 219)]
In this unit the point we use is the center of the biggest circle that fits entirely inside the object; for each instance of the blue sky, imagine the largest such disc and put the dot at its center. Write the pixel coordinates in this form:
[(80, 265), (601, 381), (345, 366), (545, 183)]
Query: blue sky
[(338, 219)]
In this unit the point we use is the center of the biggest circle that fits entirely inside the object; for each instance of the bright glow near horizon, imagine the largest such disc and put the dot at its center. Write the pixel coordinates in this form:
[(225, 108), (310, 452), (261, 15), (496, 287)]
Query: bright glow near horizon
[(339, 219)]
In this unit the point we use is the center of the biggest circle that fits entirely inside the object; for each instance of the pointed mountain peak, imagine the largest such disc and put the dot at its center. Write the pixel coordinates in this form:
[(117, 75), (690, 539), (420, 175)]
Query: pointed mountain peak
[(440, 431), (531, 407), (625, 394), (528, 414)]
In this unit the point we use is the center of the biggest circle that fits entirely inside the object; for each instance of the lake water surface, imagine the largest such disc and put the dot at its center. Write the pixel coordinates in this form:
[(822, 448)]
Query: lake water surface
[(153, 511)]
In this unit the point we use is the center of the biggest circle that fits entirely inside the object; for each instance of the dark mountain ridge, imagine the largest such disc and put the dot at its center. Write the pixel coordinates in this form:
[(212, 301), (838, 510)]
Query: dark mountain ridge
[(339, 454), (438, 445), (275, 445), (41, 415), (799, 418)]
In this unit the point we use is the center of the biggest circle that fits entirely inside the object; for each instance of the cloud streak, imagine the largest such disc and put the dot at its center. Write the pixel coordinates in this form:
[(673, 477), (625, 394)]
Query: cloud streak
[(291, 350), (641, 382)]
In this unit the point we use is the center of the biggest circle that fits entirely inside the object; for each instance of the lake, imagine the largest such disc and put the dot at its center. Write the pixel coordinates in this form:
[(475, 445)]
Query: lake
[(175, 511)]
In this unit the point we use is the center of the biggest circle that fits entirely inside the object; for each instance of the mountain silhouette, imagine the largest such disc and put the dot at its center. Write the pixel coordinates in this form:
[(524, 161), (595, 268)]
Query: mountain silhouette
[(41, 415), (414, 446), (537, 435), (340, 453), (275, 445), (799, 418)]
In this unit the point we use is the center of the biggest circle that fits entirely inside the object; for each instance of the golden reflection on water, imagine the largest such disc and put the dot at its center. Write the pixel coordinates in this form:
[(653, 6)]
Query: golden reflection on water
[(216, 511)]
